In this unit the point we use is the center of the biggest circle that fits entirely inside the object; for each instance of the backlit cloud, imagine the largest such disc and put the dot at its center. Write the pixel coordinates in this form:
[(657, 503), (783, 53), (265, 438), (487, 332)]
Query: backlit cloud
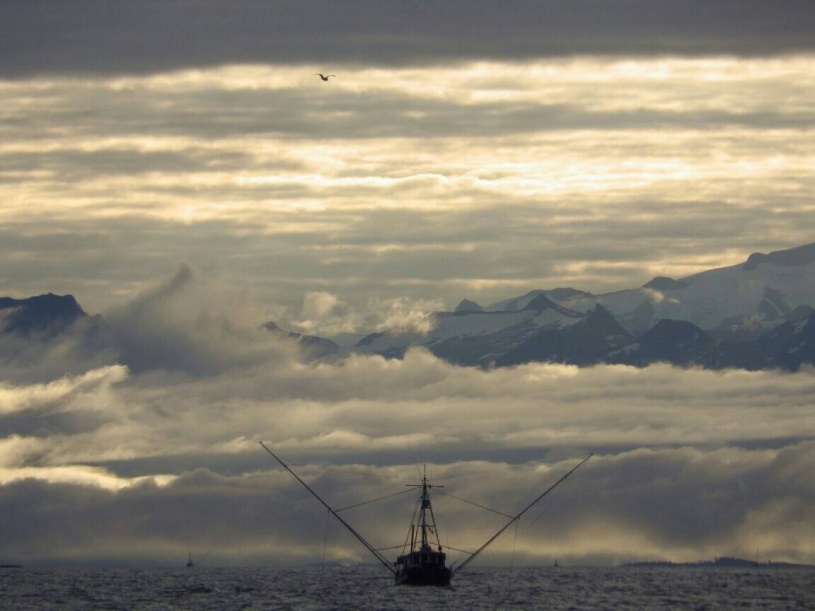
[(424, 182)]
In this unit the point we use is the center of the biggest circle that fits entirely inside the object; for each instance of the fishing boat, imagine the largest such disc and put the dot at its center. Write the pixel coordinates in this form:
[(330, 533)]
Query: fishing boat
[(423, 565), (423, 561)]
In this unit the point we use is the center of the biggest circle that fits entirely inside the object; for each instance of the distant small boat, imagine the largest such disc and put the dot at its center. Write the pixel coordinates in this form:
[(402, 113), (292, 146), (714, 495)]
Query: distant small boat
[(193, 563), (423, 565)]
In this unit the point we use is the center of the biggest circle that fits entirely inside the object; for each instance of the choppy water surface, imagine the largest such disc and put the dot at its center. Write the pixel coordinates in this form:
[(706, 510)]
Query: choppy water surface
[(371, 588)]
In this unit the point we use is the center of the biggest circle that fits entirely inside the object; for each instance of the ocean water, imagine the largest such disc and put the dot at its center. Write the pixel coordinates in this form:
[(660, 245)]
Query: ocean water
[(370, 587)]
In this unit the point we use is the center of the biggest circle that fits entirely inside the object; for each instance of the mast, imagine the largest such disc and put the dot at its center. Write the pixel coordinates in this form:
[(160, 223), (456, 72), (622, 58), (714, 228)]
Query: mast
[(361, 539), (422, 522), (518, 517), (425, 505)]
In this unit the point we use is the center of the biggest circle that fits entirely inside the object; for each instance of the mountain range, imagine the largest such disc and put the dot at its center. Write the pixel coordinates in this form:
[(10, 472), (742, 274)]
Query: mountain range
[(755, 315)]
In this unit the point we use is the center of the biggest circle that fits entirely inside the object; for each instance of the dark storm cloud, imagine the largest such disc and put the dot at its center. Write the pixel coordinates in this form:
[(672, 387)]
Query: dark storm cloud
[(89, 36)]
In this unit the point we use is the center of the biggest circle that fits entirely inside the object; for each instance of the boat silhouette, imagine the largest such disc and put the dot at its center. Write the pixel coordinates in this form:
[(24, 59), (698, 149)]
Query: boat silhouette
[(425, 562), (423, 565), (193, 562)]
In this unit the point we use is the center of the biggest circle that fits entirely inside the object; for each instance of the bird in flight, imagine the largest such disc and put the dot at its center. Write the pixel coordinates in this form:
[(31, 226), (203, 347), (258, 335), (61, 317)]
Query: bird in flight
[(326, 77)]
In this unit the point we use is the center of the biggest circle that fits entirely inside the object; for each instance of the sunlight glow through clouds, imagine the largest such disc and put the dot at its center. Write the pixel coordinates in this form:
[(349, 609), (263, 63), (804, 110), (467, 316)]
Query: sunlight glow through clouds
[(81, 476), (61, 392), (249, 152)]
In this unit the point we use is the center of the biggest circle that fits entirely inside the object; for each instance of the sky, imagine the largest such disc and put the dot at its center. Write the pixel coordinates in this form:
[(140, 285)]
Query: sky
[(180, 168)]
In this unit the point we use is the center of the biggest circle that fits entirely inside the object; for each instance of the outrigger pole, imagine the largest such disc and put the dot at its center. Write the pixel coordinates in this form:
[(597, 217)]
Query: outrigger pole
[(518, 517), (362, 540)]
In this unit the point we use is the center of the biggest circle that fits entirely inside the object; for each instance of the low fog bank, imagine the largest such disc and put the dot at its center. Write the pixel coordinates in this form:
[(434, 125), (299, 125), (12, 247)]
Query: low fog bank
[(680, 504)]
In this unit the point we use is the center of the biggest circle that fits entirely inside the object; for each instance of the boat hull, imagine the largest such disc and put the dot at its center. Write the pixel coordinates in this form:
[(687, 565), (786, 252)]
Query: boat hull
[(423, 576)]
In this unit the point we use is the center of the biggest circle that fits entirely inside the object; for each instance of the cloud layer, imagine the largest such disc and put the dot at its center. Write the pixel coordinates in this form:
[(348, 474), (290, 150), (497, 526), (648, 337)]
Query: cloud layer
[(140, 464), (479, 181), (156, 36)]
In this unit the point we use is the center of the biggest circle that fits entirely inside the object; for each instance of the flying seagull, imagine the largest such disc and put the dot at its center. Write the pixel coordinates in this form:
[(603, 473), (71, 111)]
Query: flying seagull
[(326, 77)]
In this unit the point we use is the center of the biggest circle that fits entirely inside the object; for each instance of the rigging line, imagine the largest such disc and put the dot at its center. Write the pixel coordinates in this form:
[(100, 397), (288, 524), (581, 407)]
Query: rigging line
[(536, 518), (198, 561), (435, 529), (381, 498), (416, 462), (512, 556), (409, 536), (291, 463), (359, 537), (325, 543), (419, 471), (525, 509), (455, 549), (410, 533), (540, 513), (500, 513)]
